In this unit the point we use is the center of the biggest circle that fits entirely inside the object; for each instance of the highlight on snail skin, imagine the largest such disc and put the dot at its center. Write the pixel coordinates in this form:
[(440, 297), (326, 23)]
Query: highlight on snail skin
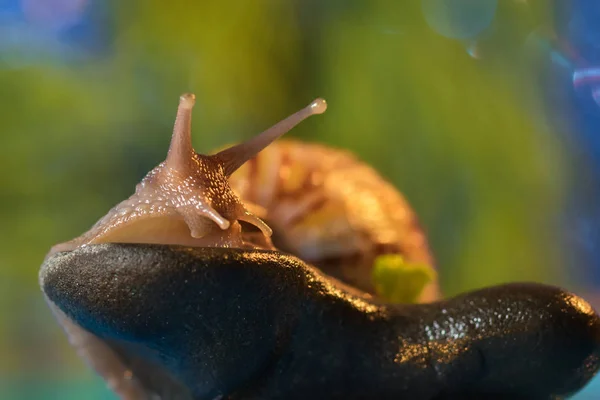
[(186, 200)]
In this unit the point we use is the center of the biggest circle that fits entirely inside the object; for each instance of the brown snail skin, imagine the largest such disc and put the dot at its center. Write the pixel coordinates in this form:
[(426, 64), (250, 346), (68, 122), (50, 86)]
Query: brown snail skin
[(180, 293)]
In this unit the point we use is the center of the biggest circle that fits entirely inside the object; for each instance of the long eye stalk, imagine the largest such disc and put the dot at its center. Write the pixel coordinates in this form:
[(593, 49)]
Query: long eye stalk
[(234, 157)]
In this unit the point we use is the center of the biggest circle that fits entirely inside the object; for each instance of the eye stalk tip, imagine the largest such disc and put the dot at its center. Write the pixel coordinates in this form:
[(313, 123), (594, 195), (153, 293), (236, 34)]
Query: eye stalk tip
[(318, 106), (224, 225), (187, 100)]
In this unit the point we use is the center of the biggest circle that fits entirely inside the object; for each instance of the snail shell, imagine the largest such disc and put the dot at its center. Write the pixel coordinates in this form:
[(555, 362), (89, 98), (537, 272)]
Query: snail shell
[(331, 210)]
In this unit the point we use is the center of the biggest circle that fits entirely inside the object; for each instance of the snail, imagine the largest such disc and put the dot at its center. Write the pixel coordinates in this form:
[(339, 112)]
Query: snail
[(326, 206), (252, 273)]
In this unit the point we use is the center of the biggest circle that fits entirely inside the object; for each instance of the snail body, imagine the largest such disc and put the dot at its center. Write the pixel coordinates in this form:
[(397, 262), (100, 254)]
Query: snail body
[(327, 207)]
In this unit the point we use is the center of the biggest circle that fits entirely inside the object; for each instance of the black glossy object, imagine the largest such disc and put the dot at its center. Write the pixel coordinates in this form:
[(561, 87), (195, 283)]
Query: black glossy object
[(263, 325)]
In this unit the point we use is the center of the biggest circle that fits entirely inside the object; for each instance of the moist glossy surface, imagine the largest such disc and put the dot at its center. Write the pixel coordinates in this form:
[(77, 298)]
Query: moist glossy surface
[(264, 325)]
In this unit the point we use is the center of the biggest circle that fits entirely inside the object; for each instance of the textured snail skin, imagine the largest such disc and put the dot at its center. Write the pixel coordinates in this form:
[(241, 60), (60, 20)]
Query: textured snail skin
[(264, 325)]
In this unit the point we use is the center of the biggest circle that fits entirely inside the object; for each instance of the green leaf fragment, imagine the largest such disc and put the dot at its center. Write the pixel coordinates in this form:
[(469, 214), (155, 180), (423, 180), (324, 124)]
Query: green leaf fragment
[(398, 281)]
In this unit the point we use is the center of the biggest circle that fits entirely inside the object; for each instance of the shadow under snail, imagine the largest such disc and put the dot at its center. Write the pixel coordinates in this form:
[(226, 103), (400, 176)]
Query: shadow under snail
[(269, 271)]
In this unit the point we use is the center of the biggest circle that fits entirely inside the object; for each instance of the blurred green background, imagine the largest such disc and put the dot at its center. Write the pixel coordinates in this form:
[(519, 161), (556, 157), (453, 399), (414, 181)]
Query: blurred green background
[(461, 135)]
